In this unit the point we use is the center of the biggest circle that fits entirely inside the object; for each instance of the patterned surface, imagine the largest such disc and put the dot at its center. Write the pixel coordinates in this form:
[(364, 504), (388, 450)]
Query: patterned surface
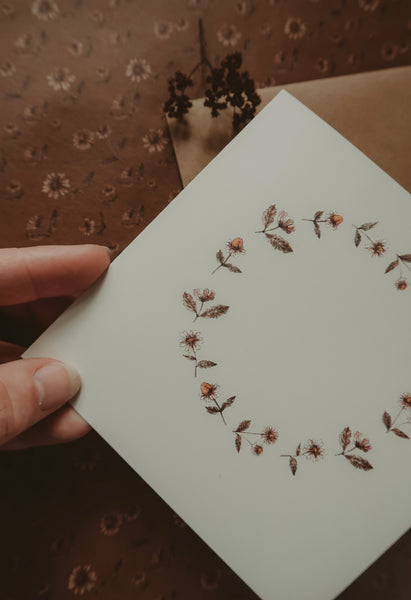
[(85, 157)]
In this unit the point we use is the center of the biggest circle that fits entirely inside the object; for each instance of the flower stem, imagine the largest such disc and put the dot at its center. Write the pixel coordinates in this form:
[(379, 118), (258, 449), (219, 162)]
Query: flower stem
[(219, 408), (396, 418), (222, 264)]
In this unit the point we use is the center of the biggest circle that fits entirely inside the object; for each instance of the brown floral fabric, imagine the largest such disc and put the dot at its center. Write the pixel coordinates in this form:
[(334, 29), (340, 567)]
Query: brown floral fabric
[(85, 156)]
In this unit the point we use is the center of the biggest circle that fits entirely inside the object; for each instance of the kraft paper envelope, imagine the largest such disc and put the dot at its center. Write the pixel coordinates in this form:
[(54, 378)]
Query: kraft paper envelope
[(248, 355)]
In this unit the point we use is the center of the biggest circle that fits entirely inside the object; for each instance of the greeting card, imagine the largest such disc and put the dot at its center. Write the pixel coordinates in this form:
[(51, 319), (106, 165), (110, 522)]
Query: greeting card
[(248, 355)]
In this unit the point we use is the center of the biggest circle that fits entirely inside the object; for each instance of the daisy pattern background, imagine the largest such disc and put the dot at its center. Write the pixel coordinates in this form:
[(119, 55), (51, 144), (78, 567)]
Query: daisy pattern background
[(103, 67)]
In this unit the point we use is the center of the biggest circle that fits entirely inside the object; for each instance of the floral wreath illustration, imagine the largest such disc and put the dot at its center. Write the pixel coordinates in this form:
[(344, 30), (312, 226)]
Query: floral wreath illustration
[(353, 445)]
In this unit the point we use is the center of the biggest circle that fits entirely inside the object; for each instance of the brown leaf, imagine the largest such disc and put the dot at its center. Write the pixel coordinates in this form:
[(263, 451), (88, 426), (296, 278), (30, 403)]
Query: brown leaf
[(238, 442), (298, 451), (345, 438), (189, 357), (358, 462), (206, 364), (220, 256), (279, 243), (227, 403), (213, 410), (215, 311), (243, 426), (189, 302), (269, 215), (386, 419), (317, 230), (392, 265), (293, 465), (357, 238), (318, 215), (400, 433), (233, 268), (367, 226), (405, 257)]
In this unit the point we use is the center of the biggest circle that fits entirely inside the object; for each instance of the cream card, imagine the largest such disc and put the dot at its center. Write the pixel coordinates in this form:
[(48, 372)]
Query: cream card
[(241, 359)]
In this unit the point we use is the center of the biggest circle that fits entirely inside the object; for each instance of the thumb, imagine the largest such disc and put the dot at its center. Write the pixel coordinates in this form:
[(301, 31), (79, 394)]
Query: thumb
[(30, 390)]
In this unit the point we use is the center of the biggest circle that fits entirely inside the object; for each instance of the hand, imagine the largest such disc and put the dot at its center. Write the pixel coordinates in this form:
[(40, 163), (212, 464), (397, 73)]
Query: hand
[(36, 285)]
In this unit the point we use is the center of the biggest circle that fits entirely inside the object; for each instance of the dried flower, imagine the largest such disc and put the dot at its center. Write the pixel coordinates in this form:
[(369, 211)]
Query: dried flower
[(362, 444), (82, 579), (314, 450), (287, 225), (236, 246), (191, 340), (205, 295), (55, 185), (401, 284), (83, 139), (334, 220), (295, 28), (257, 449), (269, 435), (377, 248), (138, 70), (208, 391), (405, 400)]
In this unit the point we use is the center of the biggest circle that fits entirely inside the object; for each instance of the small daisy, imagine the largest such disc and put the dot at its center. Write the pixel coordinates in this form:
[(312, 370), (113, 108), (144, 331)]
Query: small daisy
[(163, 30), (314, 450), (191, 340), (228, 35), (269, 435), (154, 140), (82, 579), (61, 79), (109, 192), (182, 24), (103, 74), (295, 28), (55, 185), (110, 523), (45, 10), (88, 227), (138, 70), (377, 248), (103, 132), (7, 69), (76, 48), (405, 401), (83, 139)]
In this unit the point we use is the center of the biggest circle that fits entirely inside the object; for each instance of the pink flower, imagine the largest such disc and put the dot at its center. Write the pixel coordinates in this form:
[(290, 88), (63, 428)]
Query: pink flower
[(362, 444), (287, 225)]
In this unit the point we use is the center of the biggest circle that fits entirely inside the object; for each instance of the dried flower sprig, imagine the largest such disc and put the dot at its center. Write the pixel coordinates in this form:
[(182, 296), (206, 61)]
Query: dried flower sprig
[(333, 220), (209, 394), (377, 247), (191, 342), (402, 260), (269, 435), (312, 449), (283, 222), (360, 443), (203, 296), (405, 404), (234, 247)]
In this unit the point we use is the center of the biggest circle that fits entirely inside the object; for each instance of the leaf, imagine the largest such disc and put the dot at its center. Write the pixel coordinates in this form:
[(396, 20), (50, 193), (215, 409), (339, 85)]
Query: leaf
[(392, 265), (227, 403), (358, 462), (220, 256), (206, 364), (386, 419), (405, 257), (238, 442), (317, 230), (215, 311), (189, 357), (345, 438), (269, 215), (357, 238), (293, 465), (367, 226), (298, 451), (400, 433), (232, 268), (213, 410), (243, 426), (318, 215), (278, 243), (189, 302)]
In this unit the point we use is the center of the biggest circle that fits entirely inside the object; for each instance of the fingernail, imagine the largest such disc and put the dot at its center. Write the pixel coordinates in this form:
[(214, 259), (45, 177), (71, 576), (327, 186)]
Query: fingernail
[(55, 384)]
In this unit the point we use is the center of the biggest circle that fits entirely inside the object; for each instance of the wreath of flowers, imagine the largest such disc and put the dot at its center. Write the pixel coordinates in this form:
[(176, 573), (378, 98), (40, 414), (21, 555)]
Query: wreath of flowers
[(353, 445)]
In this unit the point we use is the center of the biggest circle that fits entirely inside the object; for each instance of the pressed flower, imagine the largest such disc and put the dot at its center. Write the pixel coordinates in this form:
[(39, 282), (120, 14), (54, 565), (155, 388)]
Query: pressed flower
[(163, 30), (228, 35), (182, 24), (75, 48), (269, 435), (204, 295), (401, 284), (83, 139), (361, 443), (405, 400), (377, 248), (191, 340), (61, 79), (208, 391), (110, 523), (286, 224), (55, 185), (103, 132), (45, 10), (236, 246), (154, 140), (109, 192), (334, 220), (314, 450), (82, 579), (15, 189), (257, 449), (88, 227)]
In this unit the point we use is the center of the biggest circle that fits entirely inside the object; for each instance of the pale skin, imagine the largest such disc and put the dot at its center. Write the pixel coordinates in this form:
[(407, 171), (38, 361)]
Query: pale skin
[(36, 285)]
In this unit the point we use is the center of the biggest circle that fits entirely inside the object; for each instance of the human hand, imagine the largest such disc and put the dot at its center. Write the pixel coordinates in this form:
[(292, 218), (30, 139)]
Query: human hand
[(36, 285)]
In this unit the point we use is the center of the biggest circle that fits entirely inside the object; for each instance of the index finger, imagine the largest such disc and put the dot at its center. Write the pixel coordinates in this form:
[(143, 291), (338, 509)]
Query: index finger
[(28, 274)]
